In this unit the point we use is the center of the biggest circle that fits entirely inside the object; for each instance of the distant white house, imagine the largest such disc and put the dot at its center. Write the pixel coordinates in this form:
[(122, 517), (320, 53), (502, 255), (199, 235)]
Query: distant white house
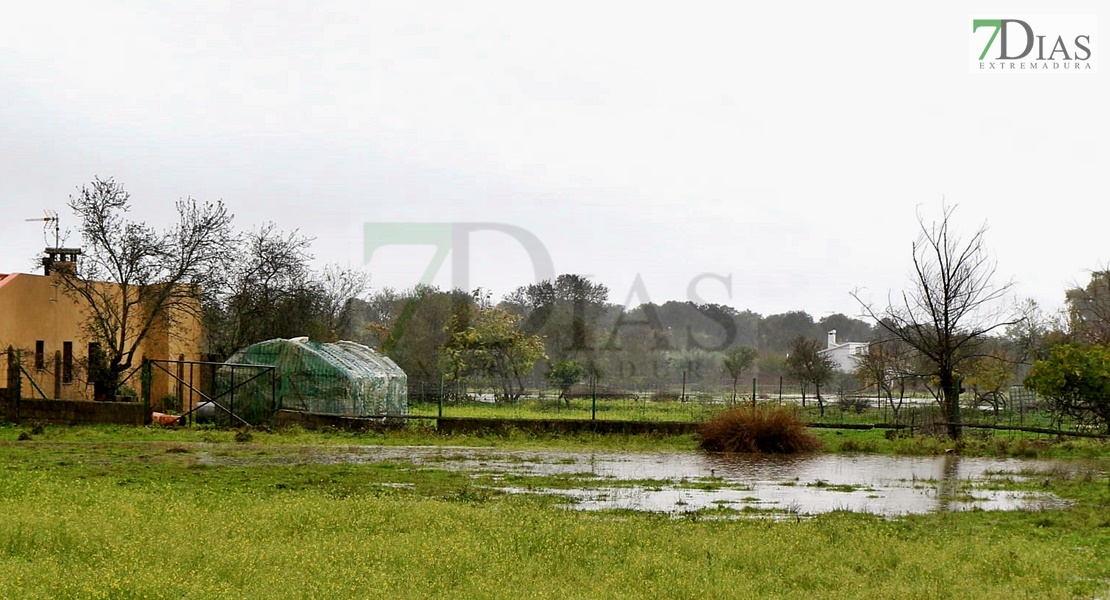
[(846, 355)]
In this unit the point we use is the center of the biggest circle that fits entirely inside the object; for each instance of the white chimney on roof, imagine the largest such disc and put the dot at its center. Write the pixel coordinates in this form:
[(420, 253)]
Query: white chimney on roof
[(832, 339)]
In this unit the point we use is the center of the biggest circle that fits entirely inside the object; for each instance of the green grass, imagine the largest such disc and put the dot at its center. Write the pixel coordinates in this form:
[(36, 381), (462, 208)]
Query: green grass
[(621, 409), (702, 406), (415, 434), (975, 443), (139, 516)]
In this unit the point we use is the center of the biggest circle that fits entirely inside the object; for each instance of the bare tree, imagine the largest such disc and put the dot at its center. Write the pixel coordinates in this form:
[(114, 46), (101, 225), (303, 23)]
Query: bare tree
[(133, 279), (1031, 338), (807, 364), (271, 291), (953, 305), (266, 293), (889, 364), (337, 287)]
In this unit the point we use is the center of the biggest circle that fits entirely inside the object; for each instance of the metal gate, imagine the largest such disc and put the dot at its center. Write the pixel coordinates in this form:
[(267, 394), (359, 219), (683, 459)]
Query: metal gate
[(228, 394)]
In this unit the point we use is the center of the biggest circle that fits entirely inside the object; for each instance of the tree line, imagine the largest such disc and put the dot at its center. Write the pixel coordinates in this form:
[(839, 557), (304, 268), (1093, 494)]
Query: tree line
[(950, 331), (578, 334)]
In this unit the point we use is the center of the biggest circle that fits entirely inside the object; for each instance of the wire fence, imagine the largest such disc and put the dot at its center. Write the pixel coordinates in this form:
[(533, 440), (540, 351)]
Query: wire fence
[(919, 412), (250, 392)]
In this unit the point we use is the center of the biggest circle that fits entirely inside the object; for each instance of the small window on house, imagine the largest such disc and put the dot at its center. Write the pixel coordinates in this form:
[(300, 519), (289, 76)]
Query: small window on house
[(67, 362), (40, 355)]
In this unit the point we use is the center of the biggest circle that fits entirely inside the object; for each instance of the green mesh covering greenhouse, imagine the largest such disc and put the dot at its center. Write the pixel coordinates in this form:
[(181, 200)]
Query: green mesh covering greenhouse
[(341, 378)]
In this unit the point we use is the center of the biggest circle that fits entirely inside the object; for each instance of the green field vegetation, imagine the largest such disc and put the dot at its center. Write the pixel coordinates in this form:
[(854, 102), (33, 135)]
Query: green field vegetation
[(550, 407), (701, 406), (415, 433), (118, 512)]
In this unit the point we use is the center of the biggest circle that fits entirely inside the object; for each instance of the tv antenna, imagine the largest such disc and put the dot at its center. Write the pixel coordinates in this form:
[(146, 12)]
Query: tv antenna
[(50, 216)]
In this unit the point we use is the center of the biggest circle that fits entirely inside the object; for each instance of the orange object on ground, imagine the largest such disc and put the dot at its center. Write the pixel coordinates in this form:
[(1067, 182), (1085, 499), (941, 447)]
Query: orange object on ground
[(163, 419)]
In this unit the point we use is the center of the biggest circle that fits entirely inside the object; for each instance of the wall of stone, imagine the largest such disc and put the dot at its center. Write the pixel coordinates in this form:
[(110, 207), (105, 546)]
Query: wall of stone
[(71, 412)]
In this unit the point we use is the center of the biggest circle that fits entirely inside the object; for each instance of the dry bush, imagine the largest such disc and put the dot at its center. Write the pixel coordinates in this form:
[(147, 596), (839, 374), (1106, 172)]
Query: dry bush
[(772, 430), (665, 396)]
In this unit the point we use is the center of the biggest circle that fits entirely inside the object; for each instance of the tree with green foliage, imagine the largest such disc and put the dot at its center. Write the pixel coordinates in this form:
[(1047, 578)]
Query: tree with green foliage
[(986, 378), (491, 344), (563, 374), (695, 362), (1088, 309), (777, 332), (738, 359), (564, 311), (411, 327), (1076, 381), (808, 365)]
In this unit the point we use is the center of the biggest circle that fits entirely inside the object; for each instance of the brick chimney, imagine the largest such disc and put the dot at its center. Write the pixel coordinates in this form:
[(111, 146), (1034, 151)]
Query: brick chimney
[(60, 258)]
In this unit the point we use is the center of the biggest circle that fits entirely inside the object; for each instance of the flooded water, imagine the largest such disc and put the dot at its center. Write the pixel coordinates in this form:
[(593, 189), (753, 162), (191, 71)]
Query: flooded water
[(679, 482)]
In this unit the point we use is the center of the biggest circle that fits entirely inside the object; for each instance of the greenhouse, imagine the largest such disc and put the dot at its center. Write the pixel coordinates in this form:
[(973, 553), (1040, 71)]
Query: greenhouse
[(341, 378)]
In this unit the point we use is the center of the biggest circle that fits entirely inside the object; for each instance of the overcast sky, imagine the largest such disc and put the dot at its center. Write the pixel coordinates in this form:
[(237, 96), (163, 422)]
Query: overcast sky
[(775, 156)]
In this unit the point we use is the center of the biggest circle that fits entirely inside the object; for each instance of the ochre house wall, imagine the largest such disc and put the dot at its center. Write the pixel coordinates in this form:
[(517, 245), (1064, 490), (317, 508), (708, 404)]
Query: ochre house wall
[(35, 307)]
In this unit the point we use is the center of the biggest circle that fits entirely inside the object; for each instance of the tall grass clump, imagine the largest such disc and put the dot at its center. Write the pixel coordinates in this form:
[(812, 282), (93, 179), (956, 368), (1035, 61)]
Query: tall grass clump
[(771, 430)]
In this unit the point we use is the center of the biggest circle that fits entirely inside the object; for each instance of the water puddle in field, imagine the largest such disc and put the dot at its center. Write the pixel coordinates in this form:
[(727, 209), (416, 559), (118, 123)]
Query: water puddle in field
[(682, 482)]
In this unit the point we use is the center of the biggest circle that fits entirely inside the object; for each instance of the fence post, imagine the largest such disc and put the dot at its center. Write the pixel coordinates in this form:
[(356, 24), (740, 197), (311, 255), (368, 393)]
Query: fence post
[(231, 399), (956, 408), (145, 377), (753, 392), (14, 378), (593, 393), (19, 381)]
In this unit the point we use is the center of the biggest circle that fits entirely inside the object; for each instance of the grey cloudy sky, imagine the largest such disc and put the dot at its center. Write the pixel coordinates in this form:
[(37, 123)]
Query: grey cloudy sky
[(787, 146)]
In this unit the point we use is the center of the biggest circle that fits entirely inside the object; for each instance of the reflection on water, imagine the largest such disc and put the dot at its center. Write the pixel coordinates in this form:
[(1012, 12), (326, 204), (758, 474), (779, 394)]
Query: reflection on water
[(689, 481)]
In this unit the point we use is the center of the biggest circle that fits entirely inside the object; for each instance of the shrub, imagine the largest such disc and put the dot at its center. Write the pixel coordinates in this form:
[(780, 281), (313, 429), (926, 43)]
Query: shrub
[(665, 396), (856, 404), (773, 430), (171, 403)]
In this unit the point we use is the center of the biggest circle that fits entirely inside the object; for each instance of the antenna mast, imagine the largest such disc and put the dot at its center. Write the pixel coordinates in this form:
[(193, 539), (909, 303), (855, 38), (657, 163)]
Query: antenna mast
[(57, 257), (51, 217)]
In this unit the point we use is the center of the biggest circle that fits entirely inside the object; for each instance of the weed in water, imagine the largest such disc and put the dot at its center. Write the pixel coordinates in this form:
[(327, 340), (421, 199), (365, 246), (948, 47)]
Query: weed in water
[(763, 429)]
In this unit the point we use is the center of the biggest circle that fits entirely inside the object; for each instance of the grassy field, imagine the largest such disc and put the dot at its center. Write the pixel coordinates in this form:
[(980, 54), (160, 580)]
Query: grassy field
[(876, 441), (703, 406), (116, 512), (620, 409)]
